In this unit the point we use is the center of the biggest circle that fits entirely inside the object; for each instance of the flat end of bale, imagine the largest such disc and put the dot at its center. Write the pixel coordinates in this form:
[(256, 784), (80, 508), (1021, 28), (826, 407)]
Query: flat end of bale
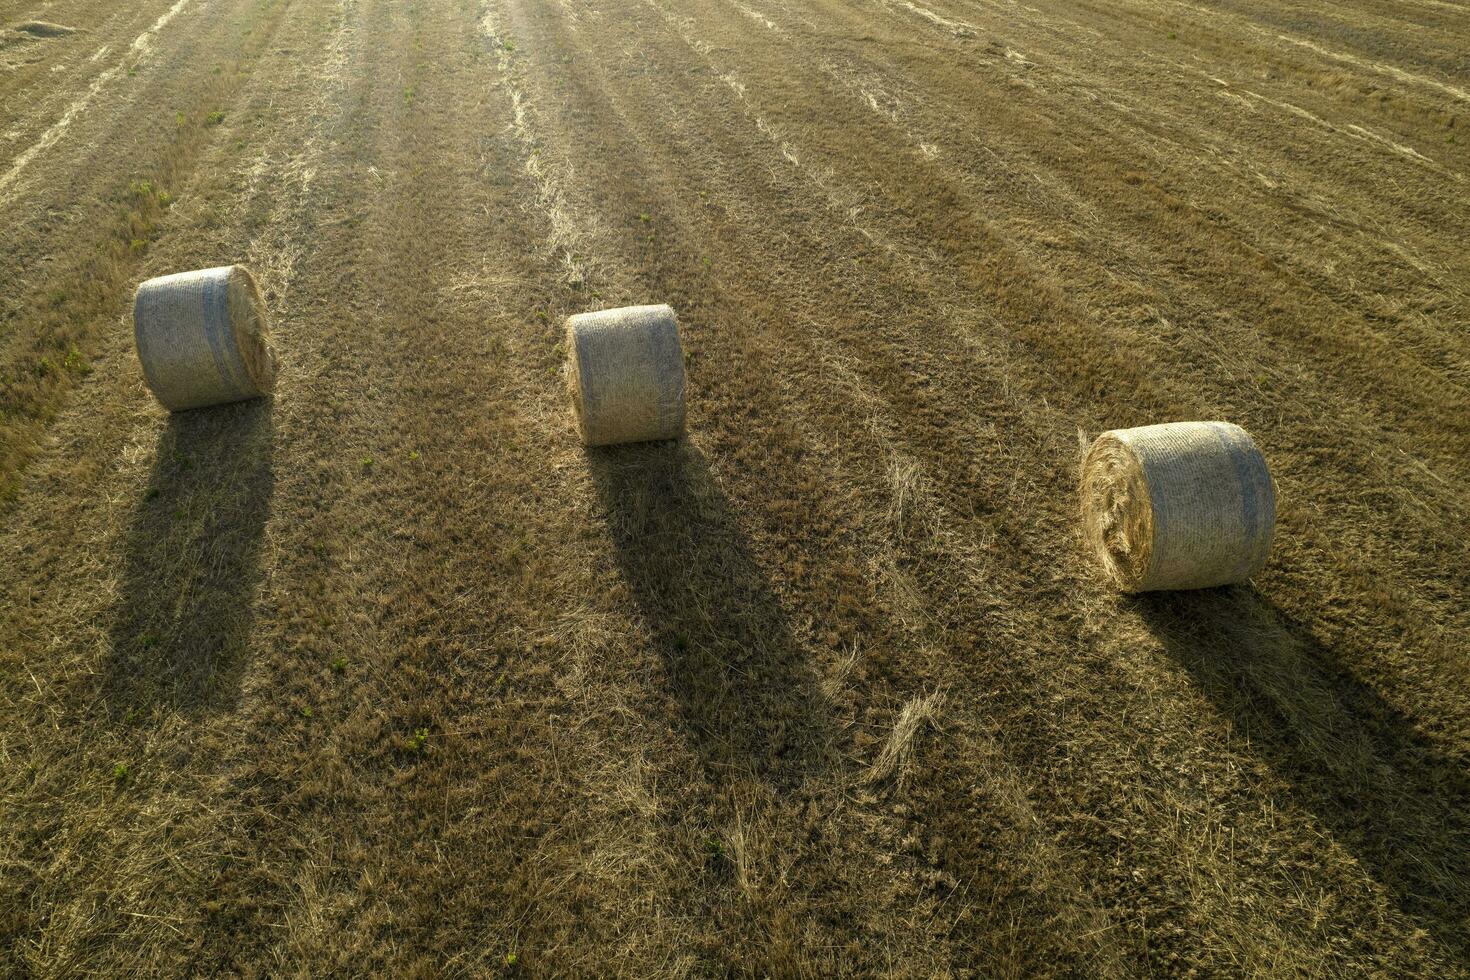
[(251, 324), (1117, 518)]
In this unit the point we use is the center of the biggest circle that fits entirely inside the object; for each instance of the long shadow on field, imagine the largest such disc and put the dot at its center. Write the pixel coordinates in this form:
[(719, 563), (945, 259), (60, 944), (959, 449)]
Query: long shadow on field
[(748, 700), (193, 548), (1397, 801)]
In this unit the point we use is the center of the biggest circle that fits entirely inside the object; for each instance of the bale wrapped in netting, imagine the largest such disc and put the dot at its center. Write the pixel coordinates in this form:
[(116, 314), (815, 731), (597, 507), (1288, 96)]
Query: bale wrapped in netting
[(1184, 505), (203, 338), (625, 372)]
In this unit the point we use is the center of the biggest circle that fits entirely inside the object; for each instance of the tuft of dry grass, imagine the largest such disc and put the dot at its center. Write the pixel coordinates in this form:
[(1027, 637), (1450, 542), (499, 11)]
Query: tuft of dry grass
[(896, 758)]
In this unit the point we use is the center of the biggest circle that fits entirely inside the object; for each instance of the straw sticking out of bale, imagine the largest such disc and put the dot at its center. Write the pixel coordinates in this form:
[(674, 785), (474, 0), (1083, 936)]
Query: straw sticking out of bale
[(625, 371), (203, 338), (1185, 505)]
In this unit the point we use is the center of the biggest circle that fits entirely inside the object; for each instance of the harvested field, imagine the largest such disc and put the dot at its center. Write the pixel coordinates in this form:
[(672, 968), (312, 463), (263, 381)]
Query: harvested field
[(388, 674)]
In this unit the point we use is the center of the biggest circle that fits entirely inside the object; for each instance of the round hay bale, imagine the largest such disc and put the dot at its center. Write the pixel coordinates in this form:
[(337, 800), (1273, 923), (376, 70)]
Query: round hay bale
[(1184, 505), (625, 372), (203, 338)]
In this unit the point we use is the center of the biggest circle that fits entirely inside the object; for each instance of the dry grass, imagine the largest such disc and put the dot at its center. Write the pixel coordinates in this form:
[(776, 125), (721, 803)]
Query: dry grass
[(896, 758), (390, 675), (53, 327)]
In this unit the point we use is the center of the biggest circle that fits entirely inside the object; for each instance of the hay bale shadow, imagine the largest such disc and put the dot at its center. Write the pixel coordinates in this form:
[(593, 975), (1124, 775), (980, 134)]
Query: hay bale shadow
[(44, 29), (1396, 800), (185, 608), (748, 701)]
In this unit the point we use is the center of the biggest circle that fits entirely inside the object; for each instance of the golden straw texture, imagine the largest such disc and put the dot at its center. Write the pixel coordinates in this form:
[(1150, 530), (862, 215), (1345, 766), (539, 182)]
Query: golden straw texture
[(1184, 505), (625, 372), (203, 338)]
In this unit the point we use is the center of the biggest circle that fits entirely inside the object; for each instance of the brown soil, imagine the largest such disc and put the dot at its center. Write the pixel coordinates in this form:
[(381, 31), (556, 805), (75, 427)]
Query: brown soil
[(387, 674)]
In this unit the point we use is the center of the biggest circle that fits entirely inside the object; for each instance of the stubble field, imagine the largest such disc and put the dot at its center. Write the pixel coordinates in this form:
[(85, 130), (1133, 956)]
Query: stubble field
[(387, 674)]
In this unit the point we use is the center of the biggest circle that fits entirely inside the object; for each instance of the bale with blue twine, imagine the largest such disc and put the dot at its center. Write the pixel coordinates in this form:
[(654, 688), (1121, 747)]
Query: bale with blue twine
[(1183, 505), (203, 338)]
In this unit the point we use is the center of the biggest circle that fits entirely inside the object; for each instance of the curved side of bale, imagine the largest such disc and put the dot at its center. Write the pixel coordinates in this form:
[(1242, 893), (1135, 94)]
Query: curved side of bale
[(625, 374), (203, 338), (1183, 505)]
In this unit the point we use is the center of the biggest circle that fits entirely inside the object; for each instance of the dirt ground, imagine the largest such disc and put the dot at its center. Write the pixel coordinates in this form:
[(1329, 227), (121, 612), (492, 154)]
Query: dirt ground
[(388, 675)]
